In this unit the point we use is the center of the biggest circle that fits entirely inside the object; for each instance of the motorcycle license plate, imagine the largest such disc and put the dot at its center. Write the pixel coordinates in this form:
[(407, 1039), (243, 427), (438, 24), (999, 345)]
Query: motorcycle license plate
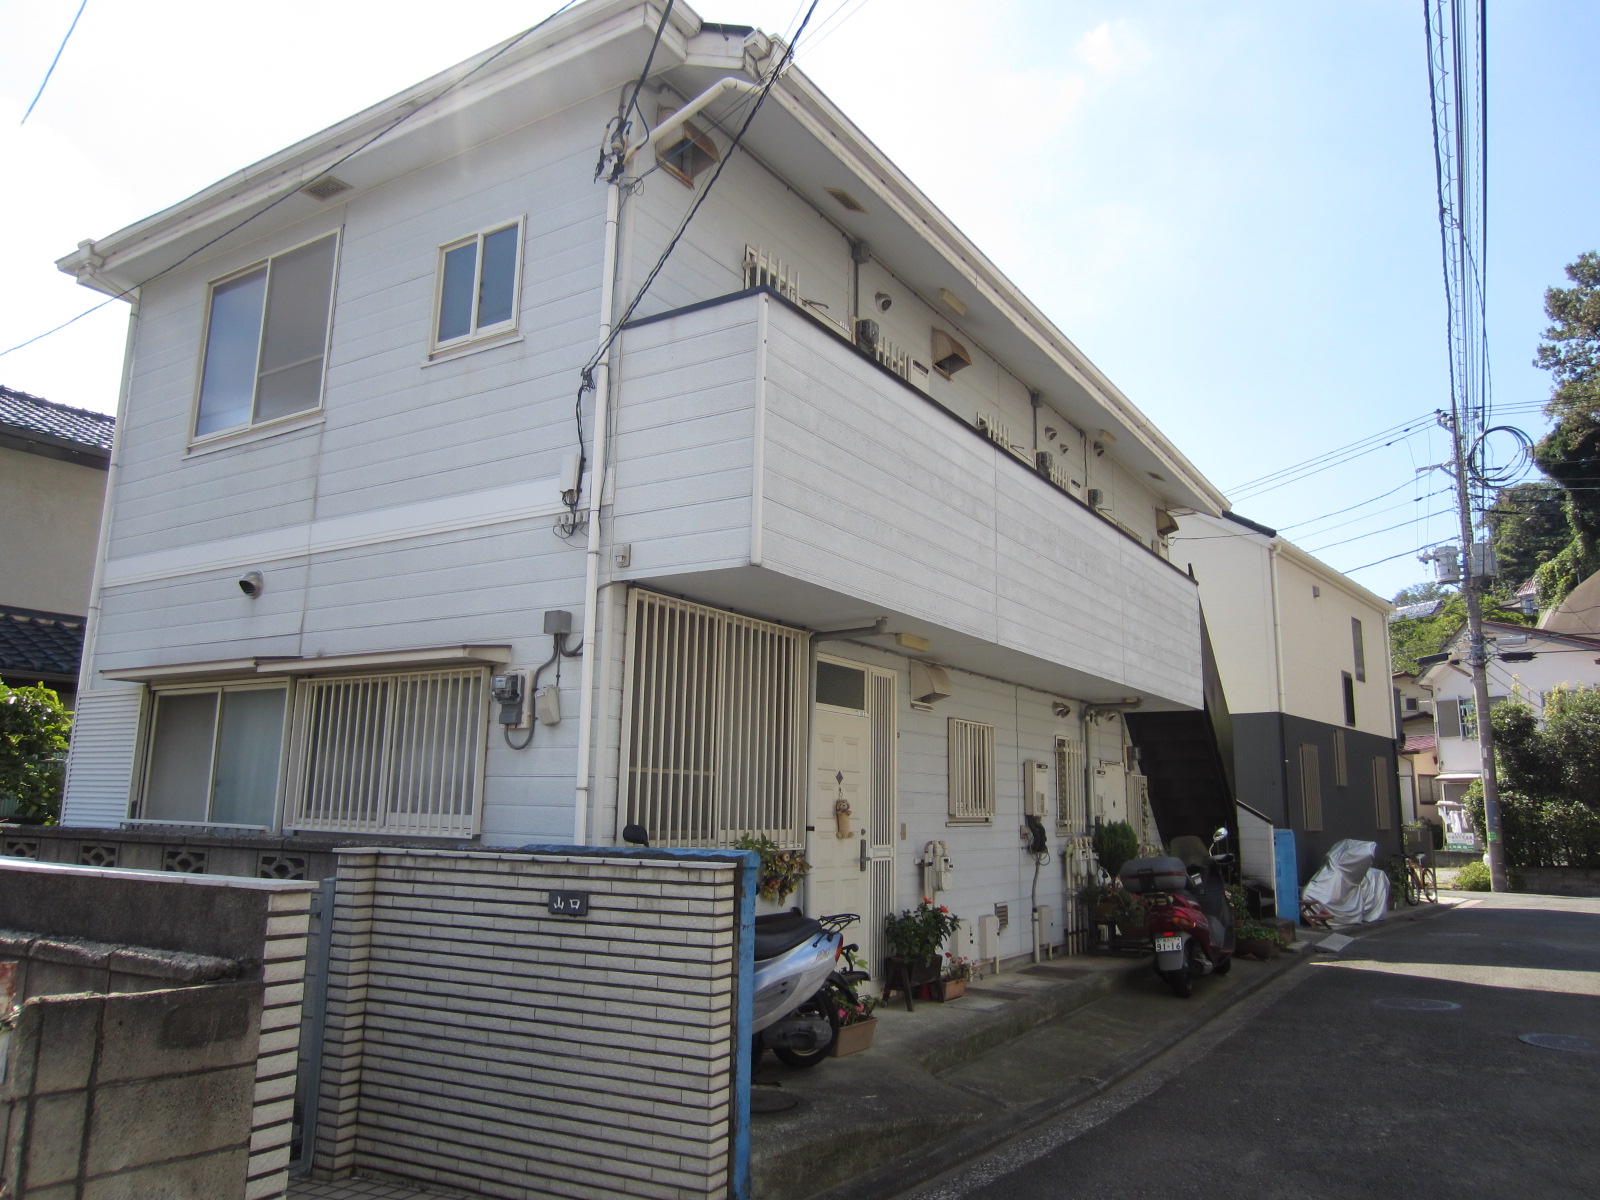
[(1168, 943)]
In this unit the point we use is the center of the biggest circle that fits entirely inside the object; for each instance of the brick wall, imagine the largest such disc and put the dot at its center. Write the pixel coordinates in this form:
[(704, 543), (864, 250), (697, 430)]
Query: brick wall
[(475, 1040)]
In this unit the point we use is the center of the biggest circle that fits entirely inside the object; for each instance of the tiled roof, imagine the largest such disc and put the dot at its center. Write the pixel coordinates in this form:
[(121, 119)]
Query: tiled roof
[(22, 411), (1416, 742), (35, 644)]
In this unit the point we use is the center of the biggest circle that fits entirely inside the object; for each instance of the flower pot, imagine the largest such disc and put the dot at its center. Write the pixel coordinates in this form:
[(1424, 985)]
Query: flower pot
[(949, 989), (1262, 948), (916, 972), (852, 1039)]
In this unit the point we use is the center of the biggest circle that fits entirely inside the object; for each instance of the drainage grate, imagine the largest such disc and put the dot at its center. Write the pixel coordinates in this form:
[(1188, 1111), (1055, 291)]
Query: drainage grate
[(1562, 1041), (1417, 1004)]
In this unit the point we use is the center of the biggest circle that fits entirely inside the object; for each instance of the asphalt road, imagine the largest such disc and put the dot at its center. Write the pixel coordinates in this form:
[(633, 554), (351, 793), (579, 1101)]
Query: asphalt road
[(1393, 1069)]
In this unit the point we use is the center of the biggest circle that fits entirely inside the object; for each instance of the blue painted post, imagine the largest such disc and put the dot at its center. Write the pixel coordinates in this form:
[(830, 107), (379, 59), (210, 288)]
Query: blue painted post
[(1286, 874)]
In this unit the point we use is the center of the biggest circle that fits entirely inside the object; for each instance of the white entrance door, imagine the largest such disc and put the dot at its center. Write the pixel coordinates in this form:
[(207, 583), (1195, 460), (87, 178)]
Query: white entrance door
[(840, 819)]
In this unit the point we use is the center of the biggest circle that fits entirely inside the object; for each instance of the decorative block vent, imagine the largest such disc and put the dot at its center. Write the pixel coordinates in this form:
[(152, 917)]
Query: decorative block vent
[(184, 860), (92, 854), (19, 848), (281, 866)]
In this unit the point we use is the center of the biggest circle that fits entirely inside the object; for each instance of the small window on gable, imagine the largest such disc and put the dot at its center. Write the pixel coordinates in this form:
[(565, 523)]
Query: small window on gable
[(266, 340), (1349, 686), (688, 154), (478, 286), (1359, 646)]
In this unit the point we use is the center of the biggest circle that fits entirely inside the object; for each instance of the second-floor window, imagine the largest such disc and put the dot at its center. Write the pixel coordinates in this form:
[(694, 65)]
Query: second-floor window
[(478, 286), (267, 339)]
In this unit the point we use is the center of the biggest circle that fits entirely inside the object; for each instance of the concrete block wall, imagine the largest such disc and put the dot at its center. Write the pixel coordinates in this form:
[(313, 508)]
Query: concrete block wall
[(476, 1041), (170, 1068)]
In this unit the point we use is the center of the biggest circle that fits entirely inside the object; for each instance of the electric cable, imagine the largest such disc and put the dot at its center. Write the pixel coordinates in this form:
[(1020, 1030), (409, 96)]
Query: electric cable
[(333, 166), (1363, 536), (51, 69)]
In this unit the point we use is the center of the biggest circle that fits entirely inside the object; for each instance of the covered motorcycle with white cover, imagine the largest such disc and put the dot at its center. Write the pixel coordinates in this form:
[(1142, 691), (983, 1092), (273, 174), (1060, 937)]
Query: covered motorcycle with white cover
[(1348, 887)]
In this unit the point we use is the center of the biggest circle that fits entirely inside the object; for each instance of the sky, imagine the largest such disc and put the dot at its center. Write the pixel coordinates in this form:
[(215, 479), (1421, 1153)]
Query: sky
[(1228, 205)]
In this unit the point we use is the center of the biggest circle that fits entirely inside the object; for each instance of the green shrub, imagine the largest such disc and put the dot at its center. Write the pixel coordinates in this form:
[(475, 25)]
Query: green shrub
[(1115, 844), (33, 747), (1474, 877)]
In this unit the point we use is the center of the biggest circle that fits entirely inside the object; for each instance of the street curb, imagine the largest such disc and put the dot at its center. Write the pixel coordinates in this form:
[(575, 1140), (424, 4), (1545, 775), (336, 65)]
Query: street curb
[(917, 1167)]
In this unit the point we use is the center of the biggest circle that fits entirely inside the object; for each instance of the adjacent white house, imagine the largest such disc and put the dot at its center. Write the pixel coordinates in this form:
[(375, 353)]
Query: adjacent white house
[(1524, 662), (420, 528), (1303, 652)]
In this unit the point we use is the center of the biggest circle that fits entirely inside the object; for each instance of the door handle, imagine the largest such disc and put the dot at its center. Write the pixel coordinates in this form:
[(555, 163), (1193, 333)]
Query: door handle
[(864, 859)]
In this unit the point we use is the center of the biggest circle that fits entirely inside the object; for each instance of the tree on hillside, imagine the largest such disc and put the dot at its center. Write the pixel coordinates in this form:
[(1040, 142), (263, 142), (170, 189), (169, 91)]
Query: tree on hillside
[(1527, 527), (1418, 593), (1411, 638), (1570, 452)]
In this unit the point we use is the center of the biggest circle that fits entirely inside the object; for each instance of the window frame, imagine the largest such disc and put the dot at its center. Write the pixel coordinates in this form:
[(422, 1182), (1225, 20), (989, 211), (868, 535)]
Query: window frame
[(1358, 646), (478, 335), (980, 807), (251, 425), (473, 723), (1348, 689), (1310, 787), (147, 746)]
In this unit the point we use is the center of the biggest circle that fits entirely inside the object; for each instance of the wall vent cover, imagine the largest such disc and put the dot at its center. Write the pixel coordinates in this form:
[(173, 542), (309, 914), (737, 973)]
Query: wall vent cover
[(325, 188), (845, 199)]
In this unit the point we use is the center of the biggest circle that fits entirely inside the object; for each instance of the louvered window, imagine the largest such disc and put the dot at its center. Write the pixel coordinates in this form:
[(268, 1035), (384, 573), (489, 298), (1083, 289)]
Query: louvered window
[(1380, 791), (1310, 786), (398, 754), (1072, 809), (972, 771), (716, 725)]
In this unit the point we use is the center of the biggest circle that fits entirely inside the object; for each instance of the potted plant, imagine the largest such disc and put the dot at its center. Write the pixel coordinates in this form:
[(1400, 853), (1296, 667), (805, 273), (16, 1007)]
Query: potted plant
[(781, 870), (856, 1024), (914, 937), (1255, 941), (1114, 844), (958, 972), (1129, 915)]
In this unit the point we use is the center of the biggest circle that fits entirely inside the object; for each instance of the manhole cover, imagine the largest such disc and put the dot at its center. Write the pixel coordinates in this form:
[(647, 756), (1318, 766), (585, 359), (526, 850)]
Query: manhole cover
[(1417, 1004), (770, 1100), (1563, 1041)]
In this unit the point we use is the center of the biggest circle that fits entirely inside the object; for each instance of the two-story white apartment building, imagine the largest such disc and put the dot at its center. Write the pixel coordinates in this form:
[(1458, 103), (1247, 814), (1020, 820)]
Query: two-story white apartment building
[(831, 536), (1303, 652)]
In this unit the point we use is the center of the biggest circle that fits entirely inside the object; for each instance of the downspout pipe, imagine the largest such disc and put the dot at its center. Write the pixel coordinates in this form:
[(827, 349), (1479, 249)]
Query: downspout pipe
[(597, 481)]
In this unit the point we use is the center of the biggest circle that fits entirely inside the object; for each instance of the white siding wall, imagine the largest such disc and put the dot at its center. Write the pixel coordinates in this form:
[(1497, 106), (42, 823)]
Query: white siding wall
[(991, 865), (425, 492), (867, 491)]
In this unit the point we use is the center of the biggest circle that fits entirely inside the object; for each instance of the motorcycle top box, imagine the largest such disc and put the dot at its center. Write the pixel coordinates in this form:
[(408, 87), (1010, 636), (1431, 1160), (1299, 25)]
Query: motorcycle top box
[(1142, 876)]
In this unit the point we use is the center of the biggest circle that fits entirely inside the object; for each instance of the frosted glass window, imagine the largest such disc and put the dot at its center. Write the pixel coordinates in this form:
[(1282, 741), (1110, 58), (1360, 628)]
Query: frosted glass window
[(478, 285), (249, 746), (214, 756), (179, 784), (267, 340)]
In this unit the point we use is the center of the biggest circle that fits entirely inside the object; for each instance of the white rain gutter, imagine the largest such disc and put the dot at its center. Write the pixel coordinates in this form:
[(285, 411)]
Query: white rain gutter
[(597, 479)]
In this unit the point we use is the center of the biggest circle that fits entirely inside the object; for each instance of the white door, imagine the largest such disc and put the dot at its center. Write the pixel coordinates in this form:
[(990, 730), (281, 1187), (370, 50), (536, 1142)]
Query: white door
[(839, 816)]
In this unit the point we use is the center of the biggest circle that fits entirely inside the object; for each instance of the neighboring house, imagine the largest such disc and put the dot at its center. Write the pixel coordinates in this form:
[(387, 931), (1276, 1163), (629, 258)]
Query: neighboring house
[(1523, 662), (1419, 758), (53, 464), (1304, 657), (856, 550)]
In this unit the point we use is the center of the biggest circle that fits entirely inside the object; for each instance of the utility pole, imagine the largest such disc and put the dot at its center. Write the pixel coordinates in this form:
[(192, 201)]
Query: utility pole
[(1478, 660)]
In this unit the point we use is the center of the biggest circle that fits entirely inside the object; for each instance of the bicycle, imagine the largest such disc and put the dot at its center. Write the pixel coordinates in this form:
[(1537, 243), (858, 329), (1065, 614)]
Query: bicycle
[(1403, 881), (1426, 877)]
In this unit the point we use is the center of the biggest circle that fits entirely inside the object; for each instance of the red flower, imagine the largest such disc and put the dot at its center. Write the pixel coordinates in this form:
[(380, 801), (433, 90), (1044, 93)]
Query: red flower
[(943, 909)]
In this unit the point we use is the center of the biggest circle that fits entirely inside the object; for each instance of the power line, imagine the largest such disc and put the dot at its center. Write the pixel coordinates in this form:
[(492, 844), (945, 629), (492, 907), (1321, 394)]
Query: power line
[(1380, 512), (51, 70), (382, 133), (1363, 536)]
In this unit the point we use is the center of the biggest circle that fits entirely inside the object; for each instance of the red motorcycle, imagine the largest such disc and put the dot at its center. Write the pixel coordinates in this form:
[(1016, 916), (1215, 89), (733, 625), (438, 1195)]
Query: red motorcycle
[(1188, 915)]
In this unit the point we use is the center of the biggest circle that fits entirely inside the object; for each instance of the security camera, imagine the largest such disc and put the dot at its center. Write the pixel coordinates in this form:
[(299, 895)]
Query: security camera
[(883, 300), (252, 584)]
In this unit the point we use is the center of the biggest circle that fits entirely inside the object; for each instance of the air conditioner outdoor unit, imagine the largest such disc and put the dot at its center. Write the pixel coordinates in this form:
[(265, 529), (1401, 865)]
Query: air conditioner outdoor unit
[(1096, 498), (867, 332)]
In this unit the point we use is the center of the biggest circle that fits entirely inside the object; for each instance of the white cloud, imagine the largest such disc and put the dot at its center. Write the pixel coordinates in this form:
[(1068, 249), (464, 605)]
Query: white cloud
[(1110, 48)]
